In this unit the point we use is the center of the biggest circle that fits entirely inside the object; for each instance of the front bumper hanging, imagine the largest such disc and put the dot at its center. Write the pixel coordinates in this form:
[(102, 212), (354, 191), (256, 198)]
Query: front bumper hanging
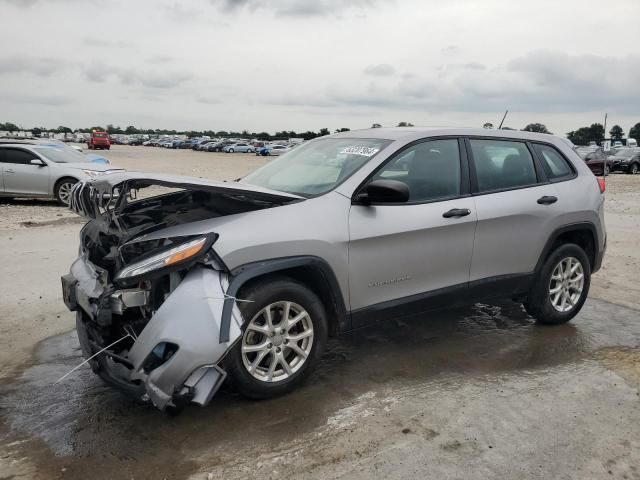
[(189, 321)]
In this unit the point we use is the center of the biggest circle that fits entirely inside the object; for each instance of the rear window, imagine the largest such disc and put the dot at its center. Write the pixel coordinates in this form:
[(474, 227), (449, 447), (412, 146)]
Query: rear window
[(100, 135), (501, 165), (555, 165)]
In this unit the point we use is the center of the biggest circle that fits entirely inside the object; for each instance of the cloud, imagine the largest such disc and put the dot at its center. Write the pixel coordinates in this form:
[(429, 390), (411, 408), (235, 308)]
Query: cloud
[(41, 66), (381, 70), (102, 43), (160, 59), (451, 50), (19, 3), (474, 66), (208, 100), (100, 72), (31, 3), (162, 80), (44, 100), (540, 81), (297, 8)]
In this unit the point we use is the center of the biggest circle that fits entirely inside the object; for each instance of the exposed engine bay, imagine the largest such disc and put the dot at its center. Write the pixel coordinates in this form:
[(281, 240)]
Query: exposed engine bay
[(133, 295)]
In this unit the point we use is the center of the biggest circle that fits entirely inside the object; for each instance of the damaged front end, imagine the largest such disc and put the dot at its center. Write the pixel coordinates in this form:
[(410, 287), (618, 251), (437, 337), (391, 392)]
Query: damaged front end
[(153, 315)]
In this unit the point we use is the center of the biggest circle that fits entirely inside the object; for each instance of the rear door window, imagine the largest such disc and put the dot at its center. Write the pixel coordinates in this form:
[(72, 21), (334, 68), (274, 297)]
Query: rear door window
[(555, 165), (502, 164)]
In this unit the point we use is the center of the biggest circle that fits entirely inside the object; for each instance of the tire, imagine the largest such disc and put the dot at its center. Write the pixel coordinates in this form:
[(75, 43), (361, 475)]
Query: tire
[(607, 170), (540, 301), (275, 293), (231, 150), (633, 169), (63, 188)]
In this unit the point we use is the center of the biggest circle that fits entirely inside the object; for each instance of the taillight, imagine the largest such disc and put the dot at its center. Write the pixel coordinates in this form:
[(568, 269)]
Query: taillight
[(602, 184)]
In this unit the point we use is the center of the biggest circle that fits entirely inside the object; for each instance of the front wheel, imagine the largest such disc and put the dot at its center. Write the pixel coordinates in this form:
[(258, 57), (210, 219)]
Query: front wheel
[(561, 287), (283, 337), (62, 190), (231, 150), (633, 170)]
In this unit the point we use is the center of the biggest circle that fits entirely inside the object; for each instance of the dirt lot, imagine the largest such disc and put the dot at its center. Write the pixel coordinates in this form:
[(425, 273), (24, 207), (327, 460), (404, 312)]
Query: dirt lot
[(474, 393)]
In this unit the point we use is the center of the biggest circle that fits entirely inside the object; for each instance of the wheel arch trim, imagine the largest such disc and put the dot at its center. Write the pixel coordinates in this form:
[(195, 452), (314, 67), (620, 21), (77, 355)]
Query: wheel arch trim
[(573, 227), (240, 275)]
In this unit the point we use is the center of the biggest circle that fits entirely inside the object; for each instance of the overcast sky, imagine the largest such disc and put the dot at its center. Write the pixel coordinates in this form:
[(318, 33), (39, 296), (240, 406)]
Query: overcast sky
[(298, 65)]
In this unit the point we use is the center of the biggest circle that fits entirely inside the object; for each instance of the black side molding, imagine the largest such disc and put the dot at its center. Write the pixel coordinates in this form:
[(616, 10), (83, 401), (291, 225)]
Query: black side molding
[(573, 227), (240, 275)]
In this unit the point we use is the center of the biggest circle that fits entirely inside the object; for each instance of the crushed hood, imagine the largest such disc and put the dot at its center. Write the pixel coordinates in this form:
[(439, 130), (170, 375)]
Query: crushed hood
[(120, 209), (108, 194)]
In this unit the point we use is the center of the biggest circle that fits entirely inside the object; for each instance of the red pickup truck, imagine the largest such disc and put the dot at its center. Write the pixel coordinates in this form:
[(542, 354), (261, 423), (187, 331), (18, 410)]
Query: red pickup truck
[(99, 140)]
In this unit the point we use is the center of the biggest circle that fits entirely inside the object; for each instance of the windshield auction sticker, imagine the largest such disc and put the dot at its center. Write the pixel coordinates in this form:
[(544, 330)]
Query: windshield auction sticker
[(364, 151)]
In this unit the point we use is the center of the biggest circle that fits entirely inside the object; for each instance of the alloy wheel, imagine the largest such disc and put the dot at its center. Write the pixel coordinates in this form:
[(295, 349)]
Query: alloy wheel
[(277, 341), (566, 284), (64, 191)]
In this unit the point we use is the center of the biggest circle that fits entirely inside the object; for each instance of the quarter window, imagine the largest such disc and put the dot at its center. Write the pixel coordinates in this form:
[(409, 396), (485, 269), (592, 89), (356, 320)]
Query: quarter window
[(502, 164), (15, 156), (431, 169), (554, 163)]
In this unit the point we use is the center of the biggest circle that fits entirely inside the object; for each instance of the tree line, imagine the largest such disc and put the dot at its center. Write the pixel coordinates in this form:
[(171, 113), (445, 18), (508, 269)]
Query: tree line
[(582, 136)]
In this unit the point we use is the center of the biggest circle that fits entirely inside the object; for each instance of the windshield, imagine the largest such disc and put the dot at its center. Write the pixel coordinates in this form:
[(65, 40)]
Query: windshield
[(626, 152), (61, 155), (585, 151), (316, 167)]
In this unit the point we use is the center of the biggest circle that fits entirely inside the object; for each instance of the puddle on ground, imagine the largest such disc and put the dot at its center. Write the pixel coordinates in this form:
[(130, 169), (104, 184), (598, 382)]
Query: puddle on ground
[(87, 427)]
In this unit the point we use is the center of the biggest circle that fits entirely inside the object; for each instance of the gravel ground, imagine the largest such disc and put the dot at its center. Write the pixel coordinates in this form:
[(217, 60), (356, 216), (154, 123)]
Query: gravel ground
[(474, 393)]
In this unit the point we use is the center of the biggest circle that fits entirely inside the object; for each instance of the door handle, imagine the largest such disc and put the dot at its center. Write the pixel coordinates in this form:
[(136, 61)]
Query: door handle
[(547, 200), (456, 212), (9, 170)]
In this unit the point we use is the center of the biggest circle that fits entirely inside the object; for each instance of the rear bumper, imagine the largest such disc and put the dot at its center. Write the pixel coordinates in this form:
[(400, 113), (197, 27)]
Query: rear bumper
[(599, 256), (188, 321)]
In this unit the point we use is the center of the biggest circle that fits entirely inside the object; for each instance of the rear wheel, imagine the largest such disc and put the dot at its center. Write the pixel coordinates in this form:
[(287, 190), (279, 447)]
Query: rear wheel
[(62, 190), (633, 170), (231, 150), (561, 287), (283, 337)]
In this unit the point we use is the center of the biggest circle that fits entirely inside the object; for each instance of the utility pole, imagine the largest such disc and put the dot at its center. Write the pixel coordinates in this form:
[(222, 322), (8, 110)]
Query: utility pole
[(604, 166)]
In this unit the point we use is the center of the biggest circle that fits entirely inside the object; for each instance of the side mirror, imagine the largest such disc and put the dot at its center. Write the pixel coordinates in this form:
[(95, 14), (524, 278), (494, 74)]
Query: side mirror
[(37, 161), (384, 191)]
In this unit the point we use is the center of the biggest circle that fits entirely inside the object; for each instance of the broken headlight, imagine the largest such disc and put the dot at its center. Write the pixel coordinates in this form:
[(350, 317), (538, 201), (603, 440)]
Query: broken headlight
[(173, 256)]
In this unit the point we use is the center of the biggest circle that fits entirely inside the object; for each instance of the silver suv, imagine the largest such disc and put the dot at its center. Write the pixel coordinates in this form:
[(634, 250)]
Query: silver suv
[(181, 282)]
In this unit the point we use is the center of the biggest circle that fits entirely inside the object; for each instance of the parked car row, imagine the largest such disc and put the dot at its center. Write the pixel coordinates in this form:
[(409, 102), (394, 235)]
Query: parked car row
[(625, 159), (218, 145)]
